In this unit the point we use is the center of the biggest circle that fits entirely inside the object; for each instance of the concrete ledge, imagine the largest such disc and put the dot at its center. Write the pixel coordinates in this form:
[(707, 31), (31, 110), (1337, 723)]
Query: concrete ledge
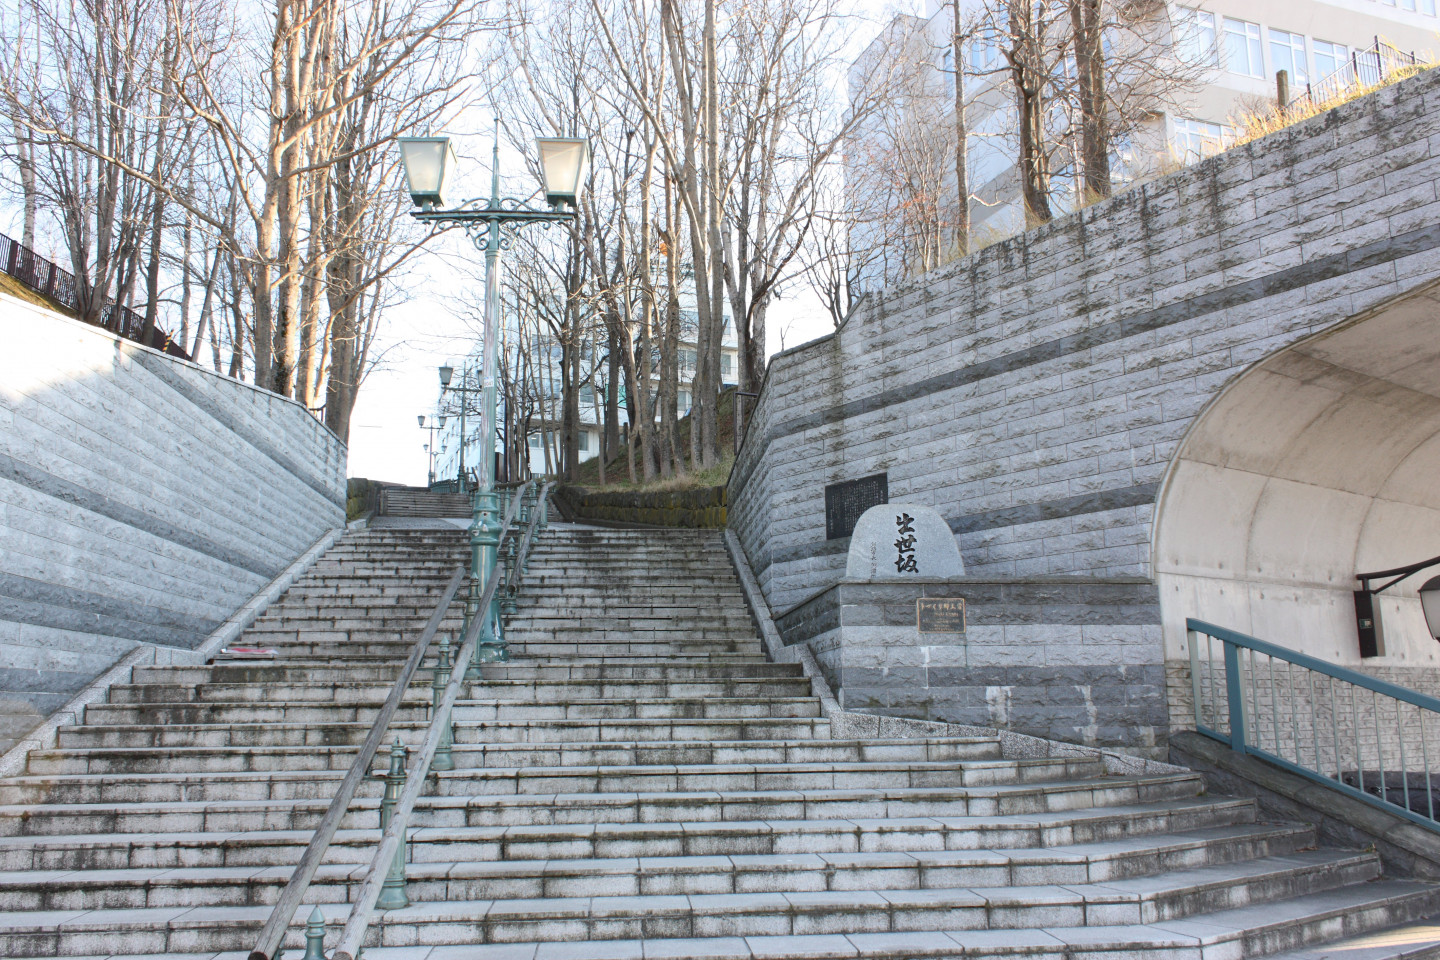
[(848, 724), (44, 736), (1406, 848)]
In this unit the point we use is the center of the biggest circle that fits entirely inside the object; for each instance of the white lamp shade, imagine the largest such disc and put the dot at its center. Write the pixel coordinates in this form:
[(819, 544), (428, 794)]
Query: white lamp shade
[(446, 372), (563, 163), (428, 162), (1430, 603)]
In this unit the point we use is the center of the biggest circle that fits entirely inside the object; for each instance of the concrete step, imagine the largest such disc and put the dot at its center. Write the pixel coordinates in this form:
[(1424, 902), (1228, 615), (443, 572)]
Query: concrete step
[(590, 920), (504, 731), (376, 692), (590, 841), (430, 882), (613, 669), (146, 760), (597, 779), (508, 810)]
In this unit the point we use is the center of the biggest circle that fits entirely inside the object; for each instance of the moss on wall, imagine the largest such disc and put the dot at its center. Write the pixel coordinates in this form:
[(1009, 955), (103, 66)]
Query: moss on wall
[(703, 508)]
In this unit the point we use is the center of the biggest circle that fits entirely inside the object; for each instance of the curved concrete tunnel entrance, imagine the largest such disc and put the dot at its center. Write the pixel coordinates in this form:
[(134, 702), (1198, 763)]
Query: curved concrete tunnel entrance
[(1320, 461)]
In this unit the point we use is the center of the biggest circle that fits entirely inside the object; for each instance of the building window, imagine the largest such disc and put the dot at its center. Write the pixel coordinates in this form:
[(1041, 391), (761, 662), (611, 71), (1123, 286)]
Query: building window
[(1197, 139), (1242, 48), (687, 359), (1330, 58), (1195, 36), (534, 442), (985, 50), (584, 441), (684, 402), (1287, 52), (727, 365)]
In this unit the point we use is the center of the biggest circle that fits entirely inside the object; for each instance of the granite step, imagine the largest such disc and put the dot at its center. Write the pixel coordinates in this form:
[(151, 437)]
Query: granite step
[(586, 841), (128, 889), (146, 760)]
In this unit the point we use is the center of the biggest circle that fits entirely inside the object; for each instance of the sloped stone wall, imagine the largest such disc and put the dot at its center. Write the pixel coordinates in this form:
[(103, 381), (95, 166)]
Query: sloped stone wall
[(1035, 393), (143, 499)]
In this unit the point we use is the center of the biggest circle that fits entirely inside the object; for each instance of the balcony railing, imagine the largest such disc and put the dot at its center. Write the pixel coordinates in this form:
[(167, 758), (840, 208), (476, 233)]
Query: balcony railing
[(1366, 68), (45, 277)]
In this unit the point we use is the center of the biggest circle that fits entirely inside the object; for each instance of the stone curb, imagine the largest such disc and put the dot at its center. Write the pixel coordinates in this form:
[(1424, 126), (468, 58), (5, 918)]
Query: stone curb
[(45, 736), (848, 724)]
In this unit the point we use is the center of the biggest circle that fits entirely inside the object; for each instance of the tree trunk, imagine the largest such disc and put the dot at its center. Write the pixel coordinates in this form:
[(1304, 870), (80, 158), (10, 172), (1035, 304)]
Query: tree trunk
[(962, 138), (1087, 26)]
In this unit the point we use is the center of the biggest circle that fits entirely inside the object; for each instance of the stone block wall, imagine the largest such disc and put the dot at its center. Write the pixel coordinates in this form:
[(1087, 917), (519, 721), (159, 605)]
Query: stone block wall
[(1036, 392), (1071, 658), (143, 499), (703, 508)]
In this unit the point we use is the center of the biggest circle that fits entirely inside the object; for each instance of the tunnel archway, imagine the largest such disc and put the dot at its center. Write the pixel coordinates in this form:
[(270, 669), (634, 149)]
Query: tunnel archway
[(1321, 460)]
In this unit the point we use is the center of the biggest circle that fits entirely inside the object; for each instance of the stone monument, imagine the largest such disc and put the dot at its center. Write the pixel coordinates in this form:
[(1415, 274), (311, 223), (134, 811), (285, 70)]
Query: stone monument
[(903, 541)]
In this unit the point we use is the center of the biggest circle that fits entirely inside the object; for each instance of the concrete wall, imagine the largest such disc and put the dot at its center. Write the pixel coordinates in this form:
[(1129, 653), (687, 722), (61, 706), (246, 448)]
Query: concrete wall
[(1037, 393), (143, 499)]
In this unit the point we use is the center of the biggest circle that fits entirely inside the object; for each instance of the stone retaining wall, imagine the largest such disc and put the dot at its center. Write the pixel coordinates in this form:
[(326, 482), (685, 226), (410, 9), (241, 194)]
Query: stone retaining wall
[(704, 508), (143, 499), (1035, 393)]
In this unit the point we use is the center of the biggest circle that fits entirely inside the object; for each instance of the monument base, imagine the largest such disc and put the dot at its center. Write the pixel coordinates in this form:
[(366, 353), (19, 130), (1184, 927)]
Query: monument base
[(1074, 659)]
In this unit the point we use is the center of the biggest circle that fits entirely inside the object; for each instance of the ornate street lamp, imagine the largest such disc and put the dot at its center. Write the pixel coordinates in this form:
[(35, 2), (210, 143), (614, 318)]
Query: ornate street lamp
[(1367, 612), (447, 373), (429, 162)]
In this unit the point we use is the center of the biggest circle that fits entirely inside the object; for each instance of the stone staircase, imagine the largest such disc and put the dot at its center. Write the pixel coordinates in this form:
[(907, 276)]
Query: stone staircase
[(422, 502), (638, 782)]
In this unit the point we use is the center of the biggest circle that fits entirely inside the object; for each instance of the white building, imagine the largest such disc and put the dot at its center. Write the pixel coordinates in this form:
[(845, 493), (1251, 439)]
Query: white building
[(1235, 48)]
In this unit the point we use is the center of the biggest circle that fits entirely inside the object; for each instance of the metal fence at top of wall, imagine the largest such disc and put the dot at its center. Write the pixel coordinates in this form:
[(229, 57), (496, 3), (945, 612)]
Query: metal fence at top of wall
[(45, 277), (1366, 68), (1371, 739)]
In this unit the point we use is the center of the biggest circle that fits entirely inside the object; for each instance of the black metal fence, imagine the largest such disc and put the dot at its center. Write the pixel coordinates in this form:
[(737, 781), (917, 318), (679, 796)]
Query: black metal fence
[(45, 277), (1367, 68)]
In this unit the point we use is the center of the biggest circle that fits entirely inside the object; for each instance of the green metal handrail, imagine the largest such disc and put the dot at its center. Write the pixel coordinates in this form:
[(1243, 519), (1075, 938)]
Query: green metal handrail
[(1316, 719), (272, 934), (392, 837)]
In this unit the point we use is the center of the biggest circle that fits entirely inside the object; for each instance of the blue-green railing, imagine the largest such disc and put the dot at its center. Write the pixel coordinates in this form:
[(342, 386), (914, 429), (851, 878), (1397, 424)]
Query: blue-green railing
[(1363, 736)]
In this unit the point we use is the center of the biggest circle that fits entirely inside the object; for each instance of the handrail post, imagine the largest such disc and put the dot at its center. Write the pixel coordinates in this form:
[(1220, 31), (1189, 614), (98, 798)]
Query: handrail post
[(444, 760), (315, 936), (392, 893), (1235, 696), (1193, 639)]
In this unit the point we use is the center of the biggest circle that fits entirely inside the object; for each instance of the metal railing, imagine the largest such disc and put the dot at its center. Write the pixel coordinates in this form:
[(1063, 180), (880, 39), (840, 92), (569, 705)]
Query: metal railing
[(404, 784), (1366, 68), (1362, 736), (47, 278)]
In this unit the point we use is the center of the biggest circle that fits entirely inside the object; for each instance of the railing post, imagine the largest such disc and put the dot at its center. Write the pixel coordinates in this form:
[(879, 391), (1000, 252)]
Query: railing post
[(1193, 639), (1234, 692), (14, 259), (315, 936), (444, 760), (392, 892)]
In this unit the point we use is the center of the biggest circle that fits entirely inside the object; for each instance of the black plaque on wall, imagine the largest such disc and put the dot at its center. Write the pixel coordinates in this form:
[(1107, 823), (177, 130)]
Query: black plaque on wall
[(845, 501)]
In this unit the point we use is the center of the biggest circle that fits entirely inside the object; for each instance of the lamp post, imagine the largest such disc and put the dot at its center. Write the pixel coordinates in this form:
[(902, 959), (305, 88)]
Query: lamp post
[(447, 373), (429, 449), (428, 163), (1367, 612)]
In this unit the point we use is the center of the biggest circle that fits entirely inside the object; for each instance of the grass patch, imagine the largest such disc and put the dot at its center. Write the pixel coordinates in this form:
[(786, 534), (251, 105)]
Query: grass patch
[(617, 473)]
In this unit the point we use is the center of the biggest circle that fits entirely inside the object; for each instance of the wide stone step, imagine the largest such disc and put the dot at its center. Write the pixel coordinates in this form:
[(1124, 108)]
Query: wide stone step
[(268, 671), (143, 760), (587, 841), (505, 731), (690, 807), (433, 882), (597, 779), (590, 920), (417, 709), (376, 692)]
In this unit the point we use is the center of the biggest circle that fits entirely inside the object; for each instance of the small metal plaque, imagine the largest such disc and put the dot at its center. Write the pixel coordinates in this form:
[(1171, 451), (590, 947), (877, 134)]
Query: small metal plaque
[(846, 501), (940, 615)]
